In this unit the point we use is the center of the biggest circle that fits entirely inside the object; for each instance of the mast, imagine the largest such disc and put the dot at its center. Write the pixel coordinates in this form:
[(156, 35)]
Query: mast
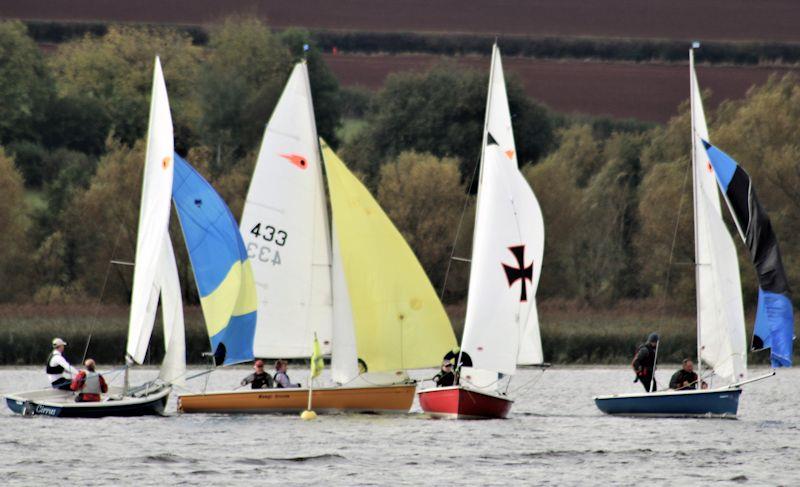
[(480, 178), (697, 263)]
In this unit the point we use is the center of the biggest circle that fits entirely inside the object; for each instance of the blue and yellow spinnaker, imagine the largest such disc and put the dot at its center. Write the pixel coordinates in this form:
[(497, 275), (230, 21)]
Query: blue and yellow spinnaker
[(219, 261)]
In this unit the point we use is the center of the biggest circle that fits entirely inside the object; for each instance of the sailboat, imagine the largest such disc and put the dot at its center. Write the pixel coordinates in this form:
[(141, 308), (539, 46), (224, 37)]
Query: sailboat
[(721, 343), (355, 282), (501, 329), (155, 274)]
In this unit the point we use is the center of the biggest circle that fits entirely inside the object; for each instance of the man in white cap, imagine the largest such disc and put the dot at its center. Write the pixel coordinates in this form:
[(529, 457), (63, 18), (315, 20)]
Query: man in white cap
[(59, 371)]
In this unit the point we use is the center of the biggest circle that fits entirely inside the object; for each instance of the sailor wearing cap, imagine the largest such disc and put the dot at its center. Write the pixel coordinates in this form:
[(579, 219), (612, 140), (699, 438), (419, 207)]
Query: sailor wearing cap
[(644, 363), (58, 370), (258, 379)]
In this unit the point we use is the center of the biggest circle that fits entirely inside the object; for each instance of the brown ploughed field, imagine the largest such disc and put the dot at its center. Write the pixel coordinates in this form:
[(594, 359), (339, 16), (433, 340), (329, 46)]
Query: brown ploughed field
[(650, 92), (775, 20)]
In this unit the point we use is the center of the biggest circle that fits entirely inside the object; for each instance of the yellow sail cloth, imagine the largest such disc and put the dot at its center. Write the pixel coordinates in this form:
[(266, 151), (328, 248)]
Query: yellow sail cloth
[(398, 318), (317, 362)]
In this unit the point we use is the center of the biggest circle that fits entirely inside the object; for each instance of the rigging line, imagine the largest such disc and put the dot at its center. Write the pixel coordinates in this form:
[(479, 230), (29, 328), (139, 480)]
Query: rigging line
[(458, 229), (100, 298), (674, 241)]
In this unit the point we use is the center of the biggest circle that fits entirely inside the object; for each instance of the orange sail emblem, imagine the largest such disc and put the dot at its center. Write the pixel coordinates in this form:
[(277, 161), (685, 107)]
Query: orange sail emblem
[(510, 154), (165, 162), (296, 159)]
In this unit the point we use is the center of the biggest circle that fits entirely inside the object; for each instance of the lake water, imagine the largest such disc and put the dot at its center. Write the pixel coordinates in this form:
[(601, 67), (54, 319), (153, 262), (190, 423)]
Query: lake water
[(554, 436)]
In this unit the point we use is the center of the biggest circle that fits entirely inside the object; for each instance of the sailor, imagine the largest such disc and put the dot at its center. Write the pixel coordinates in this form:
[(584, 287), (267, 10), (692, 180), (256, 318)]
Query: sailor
[(685, 377), (281, 377), (644, 363), (445, 377), (58, 370), (258, 379), (88, 383)]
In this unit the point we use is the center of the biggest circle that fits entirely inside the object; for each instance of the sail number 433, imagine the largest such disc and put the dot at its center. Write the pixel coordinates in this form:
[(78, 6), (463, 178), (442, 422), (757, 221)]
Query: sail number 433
[(269, 234)]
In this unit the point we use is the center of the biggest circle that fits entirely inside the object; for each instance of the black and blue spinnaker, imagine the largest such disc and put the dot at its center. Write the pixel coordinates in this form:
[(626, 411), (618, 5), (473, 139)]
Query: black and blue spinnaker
[(774, 325)]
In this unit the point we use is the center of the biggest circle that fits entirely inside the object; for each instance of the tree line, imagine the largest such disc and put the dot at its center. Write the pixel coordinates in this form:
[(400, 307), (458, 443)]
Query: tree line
[(616, 196)]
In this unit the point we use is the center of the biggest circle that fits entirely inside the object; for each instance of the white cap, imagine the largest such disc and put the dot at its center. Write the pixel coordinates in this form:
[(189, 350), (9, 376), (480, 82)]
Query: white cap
[(57, 342)]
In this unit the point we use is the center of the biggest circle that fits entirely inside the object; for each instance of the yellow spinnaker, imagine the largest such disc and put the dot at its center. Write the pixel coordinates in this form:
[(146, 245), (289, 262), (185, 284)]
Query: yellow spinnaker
[(399, 321)]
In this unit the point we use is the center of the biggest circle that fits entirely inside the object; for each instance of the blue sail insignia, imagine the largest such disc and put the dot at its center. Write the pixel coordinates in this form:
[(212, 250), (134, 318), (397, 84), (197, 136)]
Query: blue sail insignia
[(774, 325), (219, 261)]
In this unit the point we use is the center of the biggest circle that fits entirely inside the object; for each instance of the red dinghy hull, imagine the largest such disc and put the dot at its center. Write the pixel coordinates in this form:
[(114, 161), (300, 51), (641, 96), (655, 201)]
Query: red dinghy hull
[(457, 402)]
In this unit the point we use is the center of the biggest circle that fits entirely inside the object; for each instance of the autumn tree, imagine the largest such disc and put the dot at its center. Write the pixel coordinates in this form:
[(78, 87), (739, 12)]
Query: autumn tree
[(423, 196), (14, 247)]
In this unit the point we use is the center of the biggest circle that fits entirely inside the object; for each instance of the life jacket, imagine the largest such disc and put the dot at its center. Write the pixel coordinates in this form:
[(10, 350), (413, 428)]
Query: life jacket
[(277, 382), (91, 383), (53, 370)]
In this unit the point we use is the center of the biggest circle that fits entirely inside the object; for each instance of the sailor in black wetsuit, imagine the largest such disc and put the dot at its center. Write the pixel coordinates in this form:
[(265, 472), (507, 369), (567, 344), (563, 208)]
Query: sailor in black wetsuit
[(445, 377), (258, 379), (644, 363), (685, 378)]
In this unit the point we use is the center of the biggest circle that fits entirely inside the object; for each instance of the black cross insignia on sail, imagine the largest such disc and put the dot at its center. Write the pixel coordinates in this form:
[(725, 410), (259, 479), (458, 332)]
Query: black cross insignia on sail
[(514, 274)]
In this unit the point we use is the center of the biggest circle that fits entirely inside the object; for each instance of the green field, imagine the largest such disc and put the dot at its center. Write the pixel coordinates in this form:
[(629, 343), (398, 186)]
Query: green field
[(570, 334)]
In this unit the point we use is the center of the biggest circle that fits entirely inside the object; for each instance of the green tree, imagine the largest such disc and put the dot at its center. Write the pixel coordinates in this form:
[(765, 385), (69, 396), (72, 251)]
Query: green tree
[(441, 112), (14, 245), (117, 70), (241, 81), (25, 84), (423, 196)]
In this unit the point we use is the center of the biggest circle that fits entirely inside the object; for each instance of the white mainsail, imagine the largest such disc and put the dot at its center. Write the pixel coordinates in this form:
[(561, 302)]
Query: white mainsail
[(502, 326), (720, 312), (153, 219), (284, 226)]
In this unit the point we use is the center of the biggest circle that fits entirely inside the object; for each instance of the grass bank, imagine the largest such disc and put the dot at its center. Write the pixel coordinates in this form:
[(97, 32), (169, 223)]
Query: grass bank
[(571, 334)]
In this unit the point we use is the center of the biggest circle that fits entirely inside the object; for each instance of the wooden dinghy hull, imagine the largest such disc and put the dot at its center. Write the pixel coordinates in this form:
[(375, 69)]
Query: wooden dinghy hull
[(715, 403), (62, 404), (458, 402), (392, 399)]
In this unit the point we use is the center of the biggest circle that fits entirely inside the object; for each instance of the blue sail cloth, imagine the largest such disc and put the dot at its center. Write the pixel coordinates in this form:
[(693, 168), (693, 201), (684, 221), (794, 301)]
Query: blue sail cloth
[(219, 261), (774, 326)]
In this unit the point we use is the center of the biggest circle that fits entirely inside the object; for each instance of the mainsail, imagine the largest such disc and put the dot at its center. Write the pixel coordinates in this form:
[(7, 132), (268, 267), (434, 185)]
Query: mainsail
[(502, 326), (284, 226), (398, 319), (219, 261), (720, 313), (153, 220), (774, 327)]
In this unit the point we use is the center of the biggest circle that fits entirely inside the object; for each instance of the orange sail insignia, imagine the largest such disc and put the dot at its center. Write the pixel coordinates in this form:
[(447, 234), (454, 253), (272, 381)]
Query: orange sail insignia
[(296, 159)]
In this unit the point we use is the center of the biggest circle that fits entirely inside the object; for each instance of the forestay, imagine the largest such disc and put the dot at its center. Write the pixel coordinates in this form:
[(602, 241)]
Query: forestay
[(720, 313), (284, 226), (398, 319), (153, 220), (219, 261)]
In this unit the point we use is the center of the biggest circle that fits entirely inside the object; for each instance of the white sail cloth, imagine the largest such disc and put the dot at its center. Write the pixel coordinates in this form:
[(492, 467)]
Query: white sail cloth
[(154, 214), (720, 315), (284, 227)]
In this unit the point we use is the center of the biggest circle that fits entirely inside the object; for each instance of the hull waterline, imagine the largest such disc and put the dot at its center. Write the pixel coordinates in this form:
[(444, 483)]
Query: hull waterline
[(392, 399), (717, 403), (458, 402), (61, 405)]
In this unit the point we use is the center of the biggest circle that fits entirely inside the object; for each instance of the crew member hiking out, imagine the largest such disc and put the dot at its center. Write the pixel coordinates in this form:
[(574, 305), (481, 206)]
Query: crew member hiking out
[(59, 371), (644, 363), (88, 383)]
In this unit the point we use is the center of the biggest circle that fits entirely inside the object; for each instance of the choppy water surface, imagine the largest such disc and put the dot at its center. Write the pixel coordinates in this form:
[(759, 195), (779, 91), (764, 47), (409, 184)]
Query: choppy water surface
[(555, 436)]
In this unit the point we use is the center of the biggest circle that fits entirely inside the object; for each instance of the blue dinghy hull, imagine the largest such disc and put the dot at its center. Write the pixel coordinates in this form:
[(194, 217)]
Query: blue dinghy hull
[(716, 403), (61, 404)]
